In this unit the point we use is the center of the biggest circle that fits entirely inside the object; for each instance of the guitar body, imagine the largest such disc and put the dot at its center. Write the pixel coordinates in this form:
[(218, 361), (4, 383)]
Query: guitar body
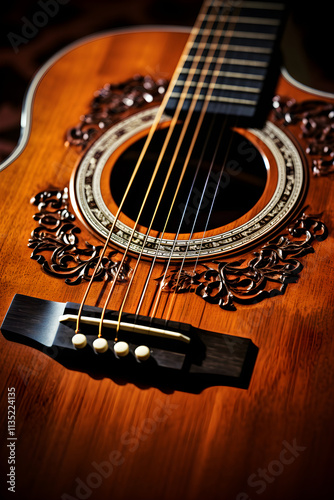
[(82, 436)]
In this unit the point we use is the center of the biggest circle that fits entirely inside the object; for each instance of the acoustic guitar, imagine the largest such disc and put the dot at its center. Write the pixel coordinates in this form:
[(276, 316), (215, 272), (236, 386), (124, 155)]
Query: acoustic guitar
[(166, 270)]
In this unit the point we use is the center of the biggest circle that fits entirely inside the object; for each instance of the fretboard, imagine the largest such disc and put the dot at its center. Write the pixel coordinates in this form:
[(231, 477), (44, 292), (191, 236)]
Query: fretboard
[(225, 62)]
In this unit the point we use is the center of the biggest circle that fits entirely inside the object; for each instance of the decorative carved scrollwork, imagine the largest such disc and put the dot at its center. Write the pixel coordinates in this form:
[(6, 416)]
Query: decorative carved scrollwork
[(226, 283), (316, 121), (267, 274), (110, 103), (55, 244)]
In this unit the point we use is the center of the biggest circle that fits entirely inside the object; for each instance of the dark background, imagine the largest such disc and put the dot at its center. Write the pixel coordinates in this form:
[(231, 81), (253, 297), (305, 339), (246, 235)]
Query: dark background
[(306, 45)]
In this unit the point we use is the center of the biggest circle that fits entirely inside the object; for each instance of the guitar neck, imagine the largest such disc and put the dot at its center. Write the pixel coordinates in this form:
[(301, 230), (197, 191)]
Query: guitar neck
[(226, 61)]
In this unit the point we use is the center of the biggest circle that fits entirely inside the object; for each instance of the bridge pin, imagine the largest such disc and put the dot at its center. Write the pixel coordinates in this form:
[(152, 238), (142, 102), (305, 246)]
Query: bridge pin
[(121, 349), (100, 345), (79, 340), (142, 353)]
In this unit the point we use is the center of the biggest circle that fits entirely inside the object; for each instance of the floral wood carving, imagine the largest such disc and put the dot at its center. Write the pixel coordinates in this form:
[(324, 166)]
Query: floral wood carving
[(316, 121), (55, 244), (267, 274), (110, 102), (56, 248)]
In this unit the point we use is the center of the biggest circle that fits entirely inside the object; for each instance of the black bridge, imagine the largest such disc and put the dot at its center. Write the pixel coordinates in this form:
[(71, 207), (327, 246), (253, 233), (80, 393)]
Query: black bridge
[(196, 360)]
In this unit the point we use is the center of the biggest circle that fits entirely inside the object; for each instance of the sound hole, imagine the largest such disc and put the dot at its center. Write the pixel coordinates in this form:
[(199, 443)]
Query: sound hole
[(205, 201)]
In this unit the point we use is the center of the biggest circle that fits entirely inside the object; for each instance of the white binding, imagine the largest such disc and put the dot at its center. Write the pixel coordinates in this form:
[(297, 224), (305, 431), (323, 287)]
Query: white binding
[(304, 87)]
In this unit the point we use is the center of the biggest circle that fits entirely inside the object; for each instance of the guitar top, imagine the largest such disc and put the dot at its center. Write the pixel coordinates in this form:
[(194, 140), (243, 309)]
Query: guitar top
[(166, 270)]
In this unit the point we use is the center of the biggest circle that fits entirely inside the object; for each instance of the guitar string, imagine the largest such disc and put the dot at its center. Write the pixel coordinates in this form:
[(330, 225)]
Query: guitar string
[(120, 266), (180, 141), (148, 140), (174, 295), (123, 258), (164, 229), (185, 127), (179, 272), (163, 278), (170, 308), (215, 193), (193, 142), (216, 45), (199, 163)]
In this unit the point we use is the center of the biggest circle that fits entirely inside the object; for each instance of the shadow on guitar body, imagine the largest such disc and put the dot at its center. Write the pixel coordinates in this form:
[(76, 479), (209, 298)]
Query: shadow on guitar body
[(209, 358)]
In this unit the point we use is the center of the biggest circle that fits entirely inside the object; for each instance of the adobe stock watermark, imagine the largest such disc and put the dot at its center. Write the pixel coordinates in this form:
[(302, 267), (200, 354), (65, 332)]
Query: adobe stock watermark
[(30, 27), (131, 441), (262, 477)]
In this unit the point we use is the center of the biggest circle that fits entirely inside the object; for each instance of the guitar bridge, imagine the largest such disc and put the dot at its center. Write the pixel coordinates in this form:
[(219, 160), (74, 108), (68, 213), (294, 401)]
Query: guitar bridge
[(181, 356)]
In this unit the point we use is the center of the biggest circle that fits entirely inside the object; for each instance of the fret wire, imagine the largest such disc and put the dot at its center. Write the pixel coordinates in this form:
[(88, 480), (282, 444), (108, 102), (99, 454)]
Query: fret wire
[(244, 19), (217, 86), (212, 33), (236, 34), (251, 76), (222, 60), (255, 5), (210, 98), (191, 40), (265, 5), (232, 48)]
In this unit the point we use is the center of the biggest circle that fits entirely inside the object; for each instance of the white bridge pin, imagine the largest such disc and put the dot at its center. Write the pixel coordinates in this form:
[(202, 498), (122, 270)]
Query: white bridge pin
[(121, 349), (100, 345), (142, 353), (79, 340)]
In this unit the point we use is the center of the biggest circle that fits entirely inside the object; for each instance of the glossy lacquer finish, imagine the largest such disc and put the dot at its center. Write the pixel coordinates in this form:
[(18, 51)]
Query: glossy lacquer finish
[(80, 435)]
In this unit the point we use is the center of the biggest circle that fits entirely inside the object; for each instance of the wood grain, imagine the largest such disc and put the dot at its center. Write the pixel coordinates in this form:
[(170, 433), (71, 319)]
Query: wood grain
[(82, 437)]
